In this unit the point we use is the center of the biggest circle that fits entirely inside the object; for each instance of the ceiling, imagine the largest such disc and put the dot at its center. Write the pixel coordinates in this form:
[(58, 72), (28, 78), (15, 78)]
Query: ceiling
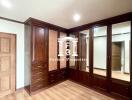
[(60, 12)]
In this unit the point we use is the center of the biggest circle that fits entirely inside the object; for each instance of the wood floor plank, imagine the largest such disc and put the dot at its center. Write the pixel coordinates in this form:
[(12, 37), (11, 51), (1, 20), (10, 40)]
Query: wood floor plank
[(66, 90)]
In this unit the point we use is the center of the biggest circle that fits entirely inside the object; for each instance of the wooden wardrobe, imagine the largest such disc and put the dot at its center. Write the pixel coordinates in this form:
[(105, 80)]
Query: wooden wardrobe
[(41, 48)]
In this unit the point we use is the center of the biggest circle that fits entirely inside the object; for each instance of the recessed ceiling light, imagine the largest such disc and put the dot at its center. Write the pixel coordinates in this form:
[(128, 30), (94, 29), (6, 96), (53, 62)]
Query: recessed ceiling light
[(6, 3), (76, 17)]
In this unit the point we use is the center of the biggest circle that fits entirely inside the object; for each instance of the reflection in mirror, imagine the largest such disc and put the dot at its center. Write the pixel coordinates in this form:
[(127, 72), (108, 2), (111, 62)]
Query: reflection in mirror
[(121, 51), (84, 50), (72, 58), (100, 45)]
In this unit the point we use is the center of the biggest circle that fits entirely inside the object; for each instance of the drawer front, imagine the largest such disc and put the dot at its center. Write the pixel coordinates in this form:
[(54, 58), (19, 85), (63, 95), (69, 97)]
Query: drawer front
[(56, 76), (39, 66), (38, 85), (62, 75), (52, 77), (39, 77)]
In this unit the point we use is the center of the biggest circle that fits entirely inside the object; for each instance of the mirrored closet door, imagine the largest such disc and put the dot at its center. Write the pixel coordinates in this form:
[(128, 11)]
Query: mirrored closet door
[(100, 50), (121, 51)]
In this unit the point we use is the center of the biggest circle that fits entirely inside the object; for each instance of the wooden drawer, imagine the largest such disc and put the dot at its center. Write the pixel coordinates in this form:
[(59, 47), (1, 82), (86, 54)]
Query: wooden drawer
[(52, 77), (39, 66), (39, 76), (38, 85)]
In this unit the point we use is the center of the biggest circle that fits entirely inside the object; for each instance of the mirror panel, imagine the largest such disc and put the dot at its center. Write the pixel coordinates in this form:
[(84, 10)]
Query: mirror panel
[(121, 51), (100, 50)]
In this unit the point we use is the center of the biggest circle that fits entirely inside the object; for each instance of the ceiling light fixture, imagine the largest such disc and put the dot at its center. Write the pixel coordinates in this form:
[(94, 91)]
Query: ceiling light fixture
[(76, 17), (6, 3)]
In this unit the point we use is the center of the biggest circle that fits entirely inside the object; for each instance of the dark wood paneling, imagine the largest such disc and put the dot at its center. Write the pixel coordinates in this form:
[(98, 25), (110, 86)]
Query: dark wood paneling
[(120, 87), (39, 76), (84, 78), (99, 82), (131, 61), (82, 51), (109, 54), (39, 44), (73, 74), (78, 49), (91, 43), (57, 76)]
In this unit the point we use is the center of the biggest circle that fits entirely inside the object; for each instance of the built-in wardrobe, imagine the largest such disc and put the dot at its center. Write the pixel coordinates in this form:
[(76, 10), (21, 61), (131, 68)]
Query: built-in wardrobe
[(104, 55), (105, 47), (42, 65)]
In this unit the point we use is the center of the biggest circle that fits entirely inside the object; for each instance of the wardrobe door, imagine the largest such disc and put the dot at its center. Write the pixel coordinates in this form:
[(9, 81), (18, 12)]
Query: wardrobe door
[(53, 50), (72, 58), (39, 59), (63, 58), (121, 51), (100, 50), (83, 51)]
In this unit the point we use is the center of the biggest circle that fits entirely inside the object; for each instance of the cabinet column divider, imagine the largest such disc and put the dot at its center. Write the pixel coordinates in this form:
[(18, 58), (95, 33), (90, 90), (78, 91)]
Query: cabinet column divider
[(91, 43), (131, 61), (58, 57), (109, 54)]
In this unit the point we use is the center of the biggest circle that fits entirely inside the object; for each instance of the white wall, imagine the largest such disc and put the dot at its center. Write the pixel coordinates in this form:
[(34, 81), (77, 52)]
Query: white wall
[(18, 29), (100, 50)]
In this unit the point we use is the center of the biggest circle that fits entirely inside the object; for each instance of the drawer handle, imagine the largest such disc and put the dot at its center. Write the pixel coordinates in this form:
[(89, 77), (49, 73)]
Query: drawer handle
[(39, 66), (38, 80), (37, 74)]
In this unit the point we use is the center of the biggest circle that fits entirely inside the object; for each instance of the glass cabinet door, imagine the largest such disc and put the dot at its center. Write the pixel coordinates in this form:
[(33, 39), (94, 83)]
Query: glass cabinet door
[(121, 51), (84, 50), (100, 50), (72, 63), (52, 50), (63, 58)]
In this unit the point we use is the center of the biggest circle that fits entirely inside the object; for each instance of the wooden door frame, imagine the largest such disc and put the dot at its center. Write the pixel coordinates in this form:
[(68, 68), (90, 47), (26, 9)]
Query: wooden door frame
[(15, 37)]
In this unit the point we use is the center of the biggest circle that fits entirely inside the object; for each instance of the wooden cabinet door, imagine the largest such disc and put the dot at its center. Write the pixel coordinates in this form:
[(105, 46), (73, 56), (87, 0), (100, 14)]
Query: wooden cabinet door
[(7, 64), (39, 58), (39, 44)]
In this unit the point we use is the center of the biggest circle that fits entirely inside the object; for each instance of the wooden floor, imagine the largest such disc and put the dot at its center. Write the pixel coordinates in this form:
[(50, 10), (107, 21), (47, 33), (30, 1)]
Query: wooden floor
[(66, 90)]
